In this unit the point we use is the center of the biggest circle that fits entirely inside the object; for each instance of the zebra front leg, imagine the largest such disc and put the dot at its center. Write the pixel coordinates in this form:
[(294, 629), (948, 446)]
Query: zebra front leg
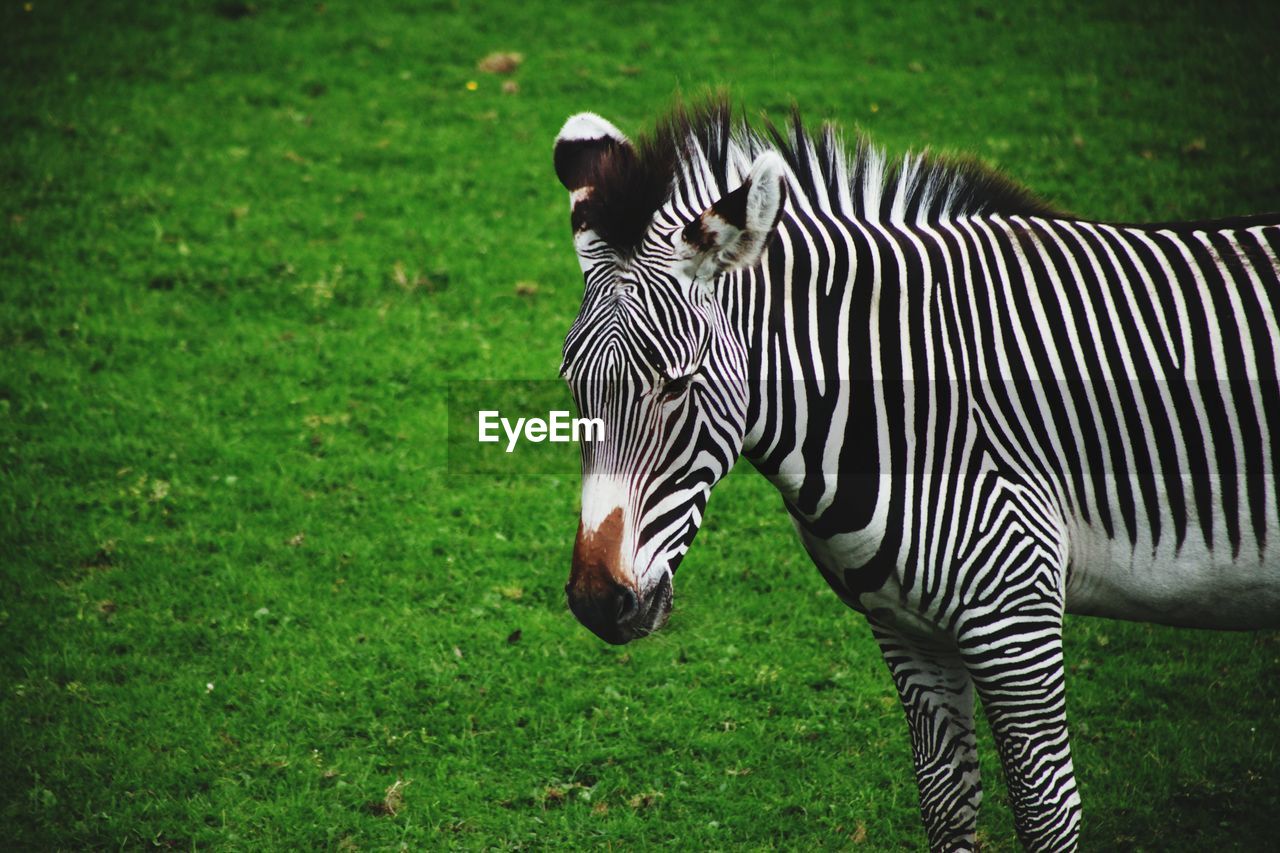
[(937, 695), (1016, 664)]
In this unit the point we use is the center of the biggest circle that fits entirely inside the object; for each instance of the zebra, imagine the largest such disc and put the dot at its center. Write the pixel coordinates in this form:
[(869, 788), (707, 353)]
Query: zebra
[(980, 413)]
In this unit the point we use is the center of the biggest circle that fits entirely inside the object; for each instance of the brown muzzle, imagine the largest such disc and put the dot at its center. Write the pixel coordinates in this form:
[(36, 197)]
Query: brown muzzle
[(600, 594)]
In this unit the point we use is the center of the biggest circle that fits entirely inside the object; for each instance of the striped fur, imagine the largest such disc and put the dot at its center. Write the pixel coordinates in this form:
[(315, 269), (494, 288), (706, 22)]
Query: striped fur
[(979, 413)]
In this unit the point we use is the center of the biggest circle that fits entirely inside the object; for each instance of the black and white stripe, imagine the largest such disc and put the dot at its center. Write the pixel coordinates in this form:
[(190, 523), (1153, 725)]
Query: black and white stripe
[(979, 413)]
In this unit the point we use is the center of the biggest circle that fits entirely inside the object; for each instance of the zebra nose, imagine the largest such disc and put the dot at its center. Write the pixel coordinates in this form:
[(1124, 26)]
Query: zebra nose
[(608, 610), (601, 594)]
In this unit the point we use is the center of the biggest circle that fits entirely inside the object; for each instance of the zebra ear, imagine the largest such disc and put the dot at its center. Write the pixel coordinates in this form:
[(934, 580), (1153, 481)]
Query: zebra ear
[(581, 144), (733, 233)]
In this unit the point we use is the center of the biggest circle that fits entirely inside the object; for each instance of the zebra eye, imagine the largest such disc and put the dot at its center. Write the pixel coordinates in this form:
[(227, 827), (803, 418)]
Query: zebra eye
[(675, 387)]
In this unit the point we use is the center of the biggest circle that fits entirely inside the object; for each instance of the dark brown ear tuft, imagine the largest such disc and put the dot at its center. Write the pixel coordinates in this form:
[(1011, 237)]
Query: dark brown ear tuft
[(586, 141), (576, 159), (696, 237)]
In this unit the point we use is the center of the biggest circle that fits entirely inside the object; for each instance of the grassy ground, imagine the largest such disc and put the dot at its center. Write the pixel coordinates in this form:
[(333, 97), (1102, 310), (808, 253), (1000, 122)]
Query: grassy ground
[(244, 247)]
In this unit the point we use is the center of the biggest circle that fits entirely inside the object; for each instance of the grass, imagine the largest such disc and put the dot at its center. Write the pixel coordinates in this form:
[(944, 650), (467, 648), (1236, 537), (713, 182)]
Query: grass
[(243, 602)]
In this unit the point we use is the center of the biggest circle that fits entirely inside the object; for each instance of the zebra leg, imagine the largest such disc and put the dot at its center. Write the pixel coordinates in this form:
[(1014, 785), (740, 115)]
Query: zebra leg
[(1016, 663), (937, 695)]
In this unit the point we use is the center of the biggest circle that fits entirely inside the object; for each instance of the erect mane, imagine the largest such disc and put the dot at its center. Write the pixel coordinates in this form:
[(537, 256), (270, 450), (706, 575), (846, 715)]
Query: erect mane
[(920, 187), (857, 181)]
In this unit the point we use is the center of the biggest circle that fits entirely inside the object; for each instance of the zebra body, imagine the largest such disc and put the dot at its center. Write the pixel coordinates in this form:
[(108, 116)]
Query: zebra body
[(1137, 523), (979, 414)]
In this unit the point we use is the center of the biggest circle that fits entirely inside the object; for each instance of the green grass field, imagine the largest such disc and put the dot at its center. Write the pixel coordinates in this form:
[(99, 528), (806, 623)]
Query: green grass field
[(244, 603)]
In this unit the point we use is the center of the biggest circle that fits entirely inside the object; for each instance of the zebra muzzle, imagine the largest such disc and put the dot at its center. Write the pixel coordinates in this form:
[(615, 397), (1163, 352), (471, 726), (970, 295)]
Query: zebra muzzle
[(603, 595), (610, 613)]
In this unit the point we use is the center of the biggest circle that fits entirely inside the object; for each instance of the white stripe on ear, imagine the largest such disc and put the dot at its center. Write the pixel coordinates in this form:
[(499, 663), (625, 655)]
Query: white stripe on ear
[(584, 126)]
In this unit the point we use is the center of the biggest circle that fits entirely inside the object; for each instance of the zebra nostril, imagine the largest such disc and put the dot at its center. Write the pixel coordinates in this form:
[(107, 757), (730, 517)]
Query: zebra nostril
[(628, 605)]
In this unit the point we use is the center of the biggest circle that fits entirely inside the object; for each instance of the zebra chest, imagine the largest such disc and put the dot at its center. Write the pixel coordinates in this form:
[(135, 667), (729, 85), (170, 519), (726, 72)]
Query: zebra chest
[(863, 571)]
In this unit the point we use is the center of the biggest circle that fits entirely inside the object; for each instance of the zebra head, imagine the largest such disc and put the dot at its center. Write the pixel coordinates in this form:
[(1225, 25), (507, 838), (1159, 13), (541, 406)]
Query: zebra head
[(654, 355)]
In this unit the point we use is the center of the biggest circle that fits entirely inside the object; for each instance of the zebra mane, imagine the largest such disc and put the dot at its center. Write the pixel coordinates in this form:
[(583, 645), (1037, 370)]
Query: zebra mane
[(855, 181)]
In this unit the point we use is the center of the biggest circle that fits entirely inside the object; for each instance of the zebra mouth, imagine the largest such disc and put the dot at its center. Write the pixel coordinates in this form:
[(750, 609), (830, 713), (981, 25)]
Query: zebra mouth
[(657, 609), (616, 614)]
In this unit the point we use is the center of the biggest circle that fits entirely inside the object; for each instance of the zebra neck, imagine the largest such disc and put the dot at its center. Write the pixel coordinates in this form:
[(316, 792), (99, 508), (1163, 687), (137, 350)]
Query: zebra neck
[(816, 424)]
